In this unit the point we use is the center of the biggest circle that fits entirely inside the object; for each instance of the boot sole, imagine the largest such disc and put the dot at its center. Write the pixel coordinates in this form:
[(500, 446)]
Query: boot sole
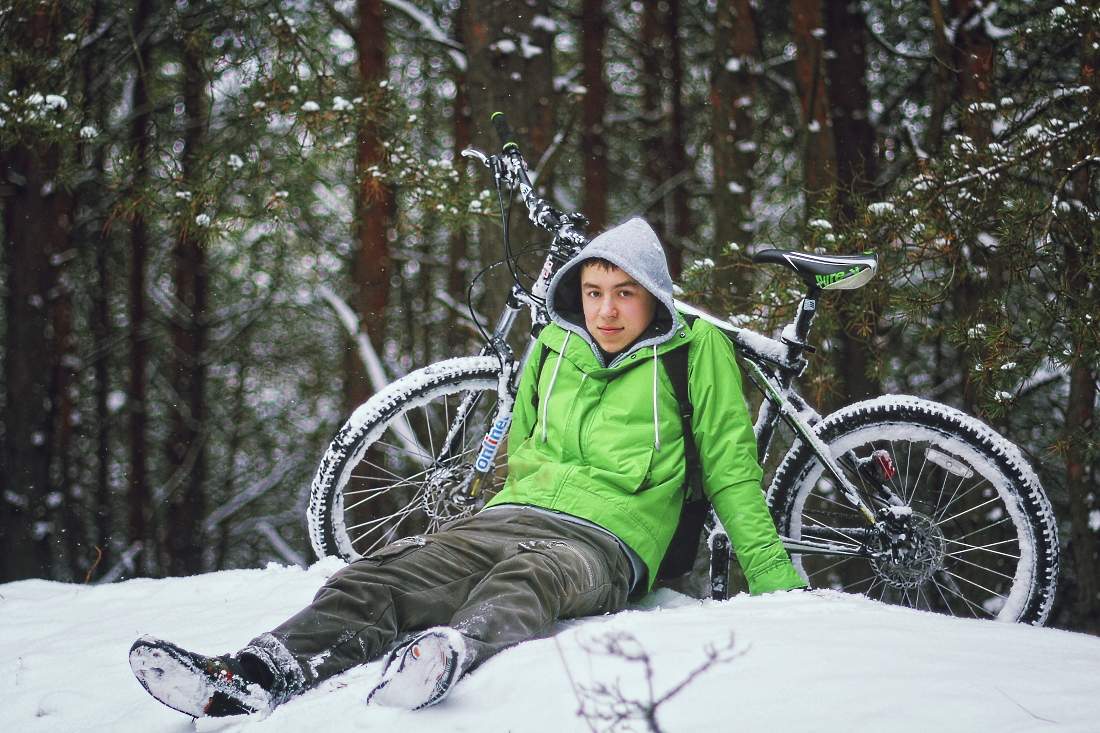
[(174, 682)]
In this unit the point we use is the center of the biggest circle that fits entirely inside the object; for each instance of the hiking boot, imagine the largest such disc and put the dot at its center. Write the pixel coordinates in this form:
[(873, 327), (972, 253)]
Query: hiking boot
[(422, 672), (199, 685)]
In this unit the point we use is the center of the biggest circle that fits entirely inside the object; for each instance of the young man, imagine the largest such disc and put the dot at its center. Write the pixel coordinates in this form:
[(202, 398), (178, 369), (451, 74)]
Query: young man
[(592, 499)]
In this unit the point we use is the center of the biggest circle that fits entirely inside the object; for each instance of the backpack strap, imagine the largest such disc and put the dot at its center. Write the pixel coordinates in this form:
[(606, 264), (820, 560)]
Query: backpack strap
[(543, 352), (676, 366)]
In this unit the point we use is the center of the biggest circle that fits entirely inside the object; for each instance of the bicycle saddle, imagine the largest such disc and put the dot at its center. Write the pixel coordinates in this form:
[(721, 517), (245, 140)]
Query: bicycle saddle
[(828, 272)]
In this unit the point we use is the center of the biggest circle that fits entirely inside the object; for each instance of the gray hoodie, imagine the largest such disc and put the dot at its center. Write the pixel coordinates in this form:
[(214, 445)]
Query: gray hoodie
[(634, 248)]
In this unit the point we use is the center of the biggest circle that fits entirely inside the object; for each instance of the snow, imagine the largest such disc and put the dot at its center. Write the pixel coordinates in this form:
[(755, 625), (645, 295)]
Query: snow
[(806, 661), (541, 22), (429, 26)]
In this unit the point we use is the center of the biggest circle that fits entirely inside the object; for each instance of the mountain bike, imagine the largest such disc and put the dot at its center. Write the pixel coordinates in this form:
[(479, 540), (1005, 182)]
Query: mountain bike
[(902, 499)]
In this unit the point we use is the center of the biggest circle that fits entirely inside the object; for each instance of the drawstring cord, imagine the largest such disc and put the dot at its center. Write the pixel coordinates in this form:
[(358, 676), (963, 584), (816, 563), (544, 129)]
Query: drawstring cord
[(656, 430), (553, 378)]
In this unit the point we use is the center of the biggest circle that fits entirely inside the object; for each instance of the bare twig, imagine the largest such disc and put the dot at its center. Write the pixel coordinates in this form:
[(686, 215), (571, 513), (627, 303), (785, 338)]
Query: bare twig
[(91, 570), (606, 703)]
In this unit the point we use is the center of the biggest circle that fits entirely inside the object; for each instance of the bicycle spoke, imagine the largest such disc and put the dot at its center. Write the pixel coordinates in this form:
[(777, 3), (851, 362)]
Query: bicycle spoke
[(419, 455), (851, 586), (407, 509), (371, 464), (428, 427), (396, 484), (983, 567), (829, 567), (976, 585), (856, 543), (916, 481), (982, 529), (946, 475), (939, 590), (963, 513), (972, 548), (384, 538), (375, 492), (846, 506), (960, 498), (969, 603), (908, 456)]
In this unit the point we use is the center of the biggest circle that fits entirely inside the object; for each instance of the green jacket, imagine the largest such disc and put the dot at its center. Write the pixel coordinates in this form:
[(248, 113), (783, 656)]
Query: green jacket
[(592, 449)]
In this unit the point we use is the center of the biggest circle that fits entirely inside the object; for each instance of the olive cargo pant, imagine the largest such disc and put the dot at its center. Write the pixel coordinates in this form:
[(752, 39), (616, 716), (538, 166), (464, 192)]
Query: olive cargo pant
[(499, 578)]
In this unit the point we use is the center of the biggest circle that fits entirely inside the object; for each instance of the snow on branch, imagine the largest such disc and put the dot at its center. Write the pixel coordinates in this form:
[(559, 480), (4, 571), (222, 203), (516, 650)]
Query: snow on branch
[(372, 364), (124, 565), (285, 551), (461, 311), (432, 29), (253, 492)]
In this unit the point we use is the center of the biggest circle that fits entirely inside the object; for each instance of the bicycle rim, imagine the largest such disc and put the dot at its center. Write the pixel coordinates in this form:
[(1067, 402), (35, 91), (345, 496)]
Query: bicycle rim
[(974, 544)]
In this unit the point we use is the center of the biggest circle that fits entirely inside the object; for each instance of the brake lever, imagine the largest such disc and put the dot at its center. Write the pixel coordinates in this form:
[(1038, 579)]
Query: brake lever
[(475, 153)]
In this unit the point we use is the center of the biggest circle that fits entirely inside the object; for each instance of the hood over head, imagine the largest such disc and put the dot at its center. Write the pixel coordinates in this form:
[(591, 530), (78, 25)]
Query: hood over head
[(634, 248)]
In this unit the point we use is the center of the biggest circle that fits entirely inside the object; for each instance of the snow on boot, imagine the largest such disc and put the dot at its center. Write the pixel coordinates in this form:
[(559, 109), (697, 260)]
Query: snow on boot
[(195, 684), (422, 672)]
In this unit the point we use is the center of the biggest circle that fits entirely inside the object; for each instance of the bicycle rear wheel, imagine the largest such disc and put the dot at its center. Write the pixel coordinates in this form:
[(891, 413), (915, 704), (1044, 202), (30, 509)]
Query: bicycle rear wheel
[(984, 545), (381, 478)]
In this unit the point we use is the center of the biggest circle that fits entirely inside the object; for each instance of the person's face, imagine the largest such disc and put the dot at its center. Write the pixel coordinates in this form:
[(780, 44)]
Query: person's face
[(616, 308)]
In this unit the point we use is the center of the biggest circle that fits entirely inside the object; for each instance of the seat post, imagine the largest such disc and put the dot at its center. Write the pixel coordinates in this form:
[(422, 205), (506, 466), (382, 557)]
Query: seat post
[(807, 309)]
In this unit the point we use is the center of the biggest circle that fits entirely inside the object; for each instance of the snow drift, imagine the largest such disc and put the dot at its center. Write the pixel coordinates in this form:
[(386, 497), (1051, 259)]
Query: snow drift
[(817, 661)]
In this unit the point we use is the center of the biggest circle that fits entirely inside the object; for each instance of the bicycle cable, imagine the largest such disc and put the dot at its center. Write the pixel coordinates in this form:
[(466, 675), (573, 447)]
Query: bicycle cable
[(478, 276)]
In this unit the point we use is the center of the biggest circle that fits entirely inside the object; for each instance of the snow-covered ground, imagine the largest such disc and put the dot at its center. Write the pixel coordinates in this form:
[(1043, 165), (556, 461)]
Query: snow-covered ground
[(817, 661)]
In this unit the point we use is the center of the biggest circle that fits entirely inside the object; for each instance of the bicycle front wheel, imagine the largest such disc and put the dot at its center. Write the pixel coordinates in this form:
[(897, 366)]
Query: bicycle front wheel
[(399, 465), (984, 544)]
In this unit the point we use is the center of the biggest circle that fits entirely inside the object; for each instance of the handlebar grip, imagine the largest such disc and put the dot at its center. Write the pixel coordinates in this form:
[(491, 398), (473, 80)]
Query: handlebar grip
[(503, 130)]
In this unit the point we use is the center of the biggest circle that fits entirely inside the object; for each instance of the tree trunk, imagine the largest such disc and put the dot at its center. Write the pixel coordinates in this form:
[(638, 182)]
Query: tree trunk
[(677, 150), (458, 242), (593, 144), (653, 58), (973, 64), (942, 78), (732, 99), (1081, 434), (97, 110), (371, 265), (36, 228), (973, 61), (64, 493), (189, 331), (819, 150), (849, 100), (849, 105), (139, 502)]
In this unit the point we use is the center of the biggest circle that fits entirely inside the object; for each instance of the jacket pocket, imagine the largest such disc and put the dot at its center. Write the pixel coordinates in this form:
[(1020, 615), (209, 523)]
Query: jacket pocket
[(397, 549), (572, 566)]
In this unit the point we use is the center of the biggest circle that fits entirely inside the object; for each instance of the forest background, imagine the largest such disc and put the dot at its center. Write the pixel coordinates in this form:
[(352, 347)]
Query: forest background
[(192, 191)]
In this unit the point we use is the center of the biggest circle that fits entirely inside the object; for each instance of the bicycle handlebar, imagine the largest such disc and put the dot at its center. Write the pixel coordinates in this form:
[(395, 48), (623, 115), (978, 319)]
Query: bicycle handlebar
[(504, 131)]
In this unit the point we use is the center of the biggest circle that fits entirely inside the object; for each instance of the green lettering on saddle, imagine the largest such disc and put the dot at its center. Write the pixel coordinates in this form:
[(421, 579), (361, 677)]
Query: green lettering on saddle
[(827, 280)]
